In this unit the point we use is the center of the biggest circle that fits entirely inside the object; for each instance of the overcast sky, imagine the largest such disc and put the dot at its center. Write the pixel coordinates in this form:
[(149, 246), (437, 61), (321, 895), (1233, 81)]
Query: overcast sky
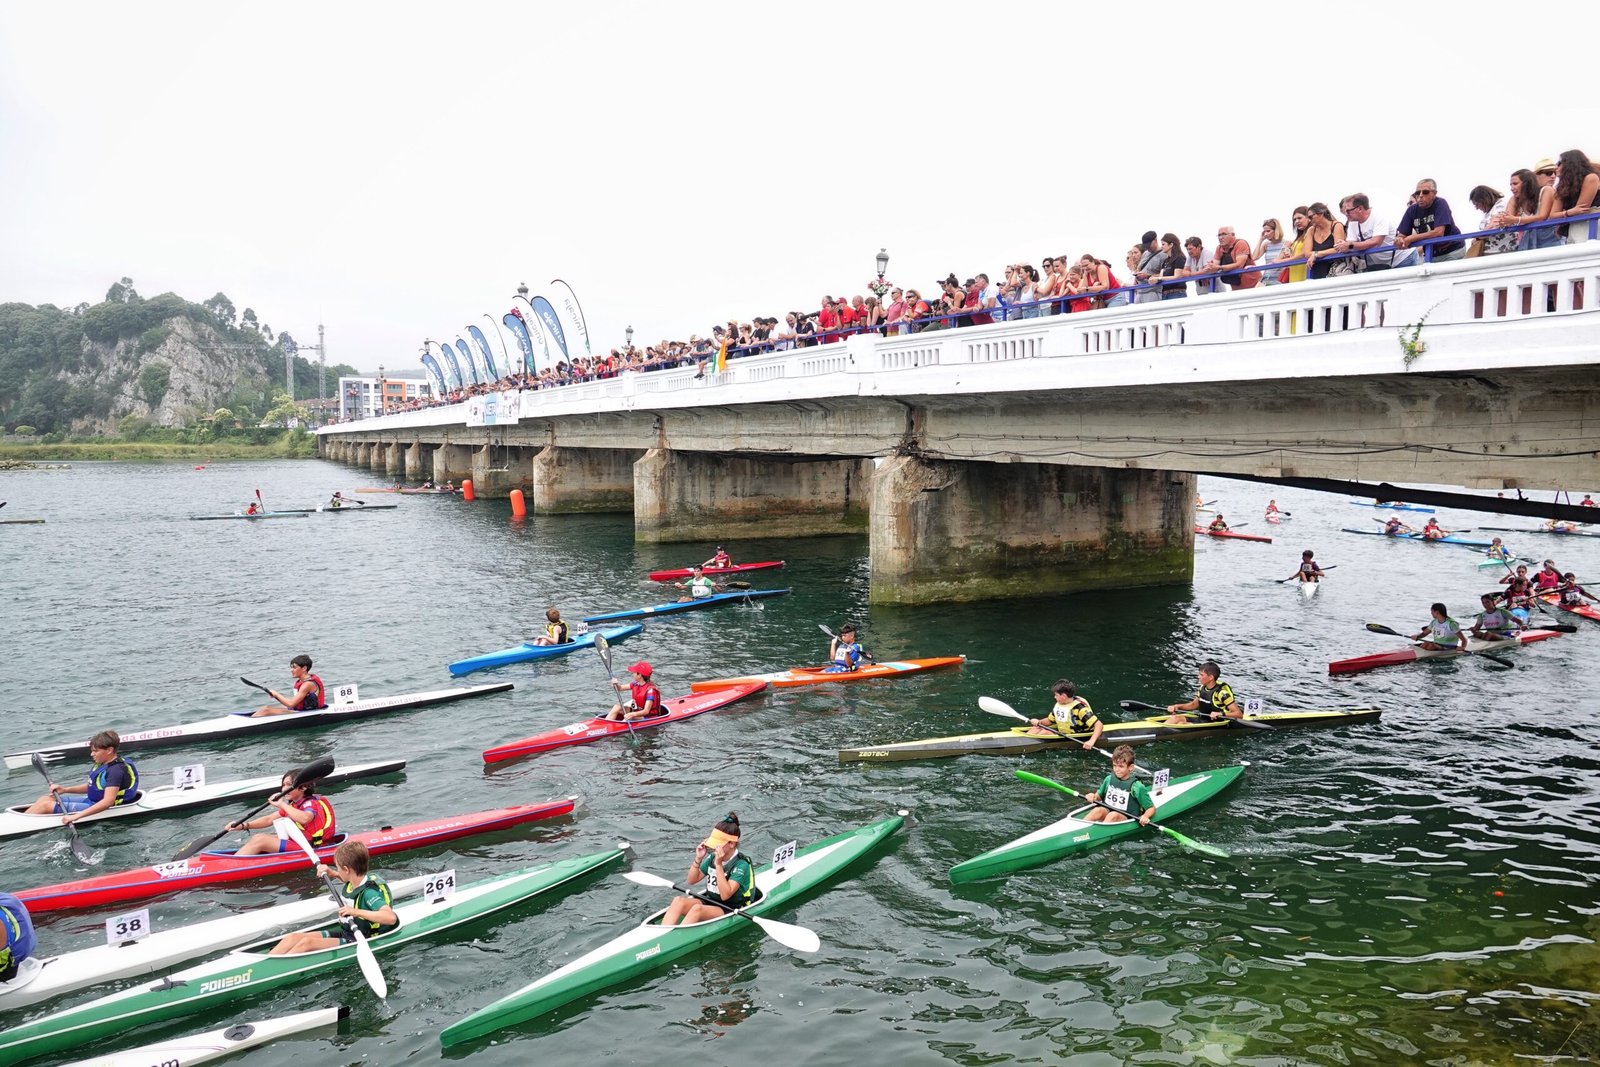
[(394, 171)]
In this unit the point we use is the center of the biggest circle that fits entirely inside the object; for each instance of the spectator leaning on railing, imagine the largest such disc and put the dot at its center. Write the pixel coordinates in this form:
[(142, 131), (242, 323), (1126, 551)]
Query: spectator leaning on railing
[(1429, 216)]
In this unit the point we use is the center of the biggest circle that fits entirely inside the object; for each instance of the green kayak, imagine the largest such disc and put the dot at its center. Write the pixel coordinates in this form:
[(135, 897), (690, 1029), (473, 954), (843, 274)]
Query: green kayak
[(250, 969), (1075, 834), (650, 945)]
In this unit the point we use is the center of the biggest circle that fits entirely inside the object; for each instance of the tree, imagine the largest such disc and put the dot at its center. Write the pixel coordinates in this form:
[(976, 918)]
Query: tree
[(285, 411), (266, 331), (122, 292), (248, 319), (221, 307), (153, 382)]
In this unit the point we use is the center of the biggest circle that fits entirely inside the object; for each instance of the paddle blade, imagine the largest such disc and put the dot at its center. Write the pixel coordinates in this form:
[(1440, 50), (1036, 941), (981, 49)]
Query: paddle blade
[(1000, 707), (38, 765), (1038, 779), (1561, 627), (654, 881), (369, 964), (1191, 843), (79, 849), (1139, 705), (798, 938), (299, 838), (254, 685), (1498, 660), (827, 631), (315, 772), (602, 646), (1379, 628)]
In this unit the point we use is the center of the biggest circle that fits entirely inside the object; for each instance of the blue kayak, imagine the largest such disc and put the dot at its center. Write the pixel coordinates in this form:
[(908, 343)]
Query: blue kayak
[(1391, 507), (1451, 540), (689, 605), (526, 651)]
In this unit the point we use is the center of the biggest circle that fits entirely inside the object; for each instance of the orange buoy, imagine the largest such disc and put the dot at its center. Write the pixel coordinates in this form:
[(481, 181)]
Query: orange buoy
[(519, 506), (466, 490)]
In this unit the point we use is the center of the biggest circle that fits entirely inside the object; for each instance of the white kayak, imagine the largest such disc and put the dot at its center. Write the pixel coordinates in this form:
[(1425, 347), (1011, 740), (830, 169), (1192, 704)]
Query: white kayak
[(15, 821), (208, 1048), (1309, 589), (38, 979)]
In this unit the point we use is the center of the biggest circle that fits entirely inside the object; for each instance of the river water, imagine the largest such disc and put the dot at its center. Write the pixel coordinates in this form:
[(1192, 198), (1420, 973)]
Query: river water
[(1422, 890)]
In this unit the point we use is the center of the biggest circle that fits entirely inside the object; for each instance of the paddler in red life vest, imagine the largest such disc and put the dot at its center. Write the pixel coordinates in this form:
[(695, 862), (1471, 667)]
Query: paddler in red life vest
[(555, 631), (1214, 700), (251, 509), (1071, 715), (308, 694), (313, 814), (644, 699), (1518, 597), (720, 559), (113, 781), (1548, 579), (1219, 524), (1272, 508), (1432, 531)]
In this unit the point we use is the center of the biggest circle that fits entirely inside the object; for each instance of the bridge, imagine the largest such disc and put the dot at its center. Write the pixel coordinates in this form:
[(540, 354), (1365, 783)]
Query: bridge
[(1058, 453)]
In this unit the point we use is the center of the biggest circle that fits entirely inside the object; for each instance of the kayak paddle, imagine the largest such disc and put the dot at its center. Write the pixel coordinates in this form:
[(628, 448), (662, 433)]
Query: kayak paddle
[(261, 505), (1139, 705), (865, 655), (311, 773), (1379, 628), (79, 849), (603, 647), (369, 963), (1001, 708), (1186, 842), (255, 685), (799, 938), (1296, 574)]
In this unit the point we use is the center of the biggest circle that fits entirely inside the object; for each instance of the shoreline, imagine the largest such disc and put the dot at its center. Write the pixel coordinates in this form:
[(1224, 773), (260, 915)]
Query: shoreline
[(147, 451)]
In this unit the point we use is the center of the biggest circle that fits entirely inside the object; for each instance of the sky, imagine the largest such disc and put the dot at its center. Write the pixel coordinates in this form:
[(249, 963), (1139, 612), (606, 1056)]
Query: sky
[(395, 171)]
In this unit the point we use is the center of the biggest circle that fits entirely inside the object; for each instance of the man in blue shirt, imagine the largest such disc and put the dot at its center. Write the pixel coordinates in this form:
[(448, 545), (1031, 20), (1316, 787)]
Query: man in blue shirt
[(1427, 217)]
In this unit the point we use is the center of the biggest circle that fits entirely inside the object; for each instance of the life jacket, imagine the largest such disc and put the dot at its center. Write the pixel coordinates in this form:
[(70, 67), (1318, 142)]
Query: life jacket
[(1217, 698), (639, 692), (557, 632), (314, 700), (1076, 717), (847, 655), (97, 782), (712, 891), (20, 941), (371, 891), (322, 825)]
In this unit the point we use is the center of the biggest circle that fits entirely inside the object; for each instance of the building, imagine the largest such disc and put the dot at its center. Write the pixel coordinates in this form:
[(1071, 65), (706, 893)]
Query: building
[(359, 397)]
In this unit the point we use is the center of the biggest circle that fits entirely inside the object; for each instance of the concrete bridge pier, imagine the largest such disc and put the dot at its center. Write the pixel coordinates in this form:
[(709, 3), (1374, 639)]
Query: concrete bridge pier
[(574, 481), (418, 464), (705, 496), (393, 458), (498, 469), (451, 463), (954, 530)]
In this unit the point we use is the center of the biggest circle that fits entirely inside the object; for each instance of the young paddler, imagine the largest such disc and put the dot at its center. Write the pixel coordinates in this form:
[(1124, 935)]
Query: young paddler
[(371, 903), (728, 873), (556, 632), (312, 813), (1441, 632), (1495, 623), (699, 586), (308, 694), (644, 699), (1124, 796), (845, 652), (113, 780), (1213, 700), (1308, 571), (1070, 715), (17, 942)]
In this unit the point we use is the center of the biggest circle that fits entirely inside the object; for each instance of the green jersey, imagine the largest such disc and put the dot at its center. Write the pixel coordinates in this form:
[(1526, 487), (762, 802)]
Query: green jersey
[(739, 870), (1138, 797)]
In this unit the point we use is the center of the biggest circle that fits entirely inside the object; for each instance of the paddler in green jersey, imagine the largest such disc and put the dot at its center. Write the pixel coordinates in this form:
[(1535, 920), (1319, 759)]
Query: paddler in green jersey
[(1071, 715), (1124, 797), (1495, 623), (1442, 632), (700, 586), (1215, 700), (728, 873), (371, 904)]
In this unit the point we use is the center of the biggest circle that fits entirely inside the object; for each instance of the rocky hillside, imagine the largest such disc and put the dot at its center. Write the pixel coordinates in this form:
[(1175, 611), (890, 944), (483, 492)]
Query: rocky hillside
[(165, 359)]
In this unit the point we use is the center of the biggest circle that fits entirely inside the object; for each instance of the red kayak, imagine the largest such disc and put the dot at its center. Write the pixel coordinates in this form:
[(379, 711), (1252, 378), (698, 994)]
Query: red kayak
[(733, 568), (1588, 611), (1416, 652), (1229, 533), (211, 868), (581, 733)]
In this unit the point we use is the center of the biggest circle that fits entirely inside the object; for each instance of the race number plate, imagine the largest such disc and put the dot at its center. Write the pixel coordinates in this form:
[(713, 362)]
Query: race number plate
[(189, 776), (128, 928), (1117, 798), (438, 886), (346, 694), (782, 855), (1161, 778), (1253, 706)]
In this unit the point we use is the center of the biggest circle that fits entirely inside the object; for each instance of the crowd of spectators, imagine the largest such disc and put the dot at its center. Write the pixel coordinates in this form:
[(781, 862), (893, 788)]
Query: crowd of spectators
[(1318, 243)]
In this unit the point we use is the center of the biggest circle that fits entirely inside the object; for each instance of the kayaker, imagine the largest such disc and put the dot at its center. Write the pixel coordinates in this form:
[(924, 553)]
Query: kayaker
[(1272, 507), (1587, 502), (251, 508), (1394, 527), (1124, 797), (337, 501), (1572, 594), (1215, 699), (699, 585), (1071, 715), (1495, 623), (1519, 575), (371, 903), (312, 813), (1518, 596), (17, 942), (1441, 632), (1558, 526), (113, 780), (1308, 571), (845, 651), (728, 873), (555, 631), (644, 699), (1549, 577), (719, 559), (1497, 550), (1432, 531), (1219, 524), (309, 693)]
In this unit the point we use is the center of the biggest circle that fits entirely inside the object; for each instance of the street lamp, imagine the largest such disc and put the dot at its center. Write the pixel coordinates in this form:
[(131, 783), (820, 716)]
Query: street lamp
[(883, 262), (383, 401), (522, 290), (628, 333)]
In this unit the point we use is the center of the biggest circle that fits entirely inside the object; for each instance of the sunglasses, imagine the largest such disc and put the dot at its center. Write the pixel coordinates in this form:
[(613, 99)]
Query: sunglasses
[(1548, 173)]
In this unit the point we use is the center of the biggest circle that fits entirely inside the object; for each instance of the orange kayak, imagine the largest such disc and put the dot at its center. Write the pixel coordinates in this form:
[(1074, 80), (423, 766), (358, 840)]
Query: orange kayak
[(819, 675)]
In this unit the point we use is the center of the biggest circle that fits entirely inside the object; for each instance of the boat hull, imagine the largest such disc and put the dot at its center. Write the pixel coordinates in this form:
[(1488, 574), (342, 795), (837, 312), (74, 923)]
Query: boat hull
[(1076, 834), (1410, 655), (712, 601), (1392, 507), (738, 568), (252, 518), (1021, 741), (1450, 540), (218, 1044), (250, 969), (526, 652), (1587, 610), (820, 675), (240, 724), (217, 868), (1231, 534), (581, 733), (1552, 533), (650, 945)]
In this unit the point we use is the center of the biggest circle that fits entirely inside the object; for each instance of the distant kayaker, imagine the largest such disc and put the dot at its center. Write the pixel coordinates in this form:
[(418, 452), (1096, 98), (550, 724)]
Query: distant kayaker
[(114, 780), (1548, 578), (719, 559), (428, 484), (1587, 502), (1124, 796), (312, 813), (699, 585), (1219, 524), (1214, 700), (1432, 531), (1308, 571), (1573, 594), (1495, 623), (337, 501), (1518, 596), (644, 699), (555, 631), (728, 873), (1498, 550), (1071, 715), (371, 903), (845, 651), (1441, 632), (309, 693), (252, 509), (1557, 526), (1272, 507), (1393, 527), (17, 942)]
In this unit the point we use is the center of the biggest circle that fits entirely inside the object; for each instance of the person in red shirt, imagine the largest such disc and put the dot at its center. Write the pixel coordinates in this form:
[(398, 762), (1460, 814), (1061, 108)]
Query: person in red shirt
[(1232, 253), (644, 699), (827, 322)]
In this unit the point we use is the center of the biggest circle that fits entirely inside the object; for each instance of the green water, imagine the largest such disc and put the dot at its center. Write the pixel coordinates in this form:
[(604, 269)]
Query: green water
[(1419, 891)]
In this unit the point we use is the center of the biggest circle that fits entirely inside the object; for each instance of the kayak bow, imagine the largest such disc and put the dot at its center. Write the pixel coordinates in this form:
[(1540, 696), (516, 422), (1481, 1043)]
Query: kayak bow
[(736, 568), (674, 607), (528, 651), (818, 675)]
